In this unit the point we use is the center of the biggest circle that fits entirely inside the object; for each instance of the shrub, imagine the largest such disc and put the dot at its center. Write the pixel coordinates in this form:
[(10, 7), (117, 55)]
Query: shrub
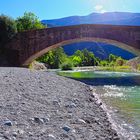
[(7, 29), (28, 21), (139, 67), (67, 66)]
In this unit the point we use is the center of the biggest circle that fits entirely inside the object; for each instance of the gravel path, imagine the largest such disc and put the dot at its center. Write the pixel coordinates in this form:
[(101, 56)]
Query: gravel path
[(38, 105)]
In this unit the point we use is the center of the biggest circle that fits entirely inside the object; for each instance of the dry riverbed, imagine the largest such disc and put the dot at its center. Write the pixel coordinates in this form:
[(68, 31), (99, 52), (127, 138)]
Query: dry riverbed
[(37, 105)]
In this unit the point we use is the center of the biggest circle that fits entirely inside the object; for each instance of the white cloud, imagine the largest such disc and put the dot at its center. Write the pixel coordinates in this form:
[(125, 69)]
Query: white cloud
[(100, 9), (103, 11)]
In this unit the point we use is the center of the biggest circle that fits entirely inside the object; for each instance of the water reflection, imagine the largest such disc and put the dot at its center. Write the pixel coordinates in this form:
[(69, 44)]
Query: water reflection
[(99, 78)]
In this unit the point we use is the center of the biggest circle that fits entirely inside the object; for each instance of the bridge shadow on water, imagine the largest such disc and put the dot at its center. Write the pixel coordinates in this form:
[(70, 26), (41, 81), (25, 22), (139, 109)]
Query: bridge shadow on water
[(119, 81)]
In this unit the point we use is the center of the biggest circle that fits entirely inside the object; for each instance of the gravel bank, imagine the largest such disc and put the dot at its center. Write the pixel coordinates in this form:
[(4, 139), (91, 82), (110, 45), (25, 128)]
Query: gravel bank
[(38, 105)]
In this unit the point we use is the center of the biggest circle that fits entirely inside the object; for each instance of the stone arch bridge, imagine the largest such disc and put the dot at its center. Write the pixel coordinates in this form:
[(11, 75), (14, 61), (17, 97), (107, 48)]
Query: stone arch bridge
[(27, 46)]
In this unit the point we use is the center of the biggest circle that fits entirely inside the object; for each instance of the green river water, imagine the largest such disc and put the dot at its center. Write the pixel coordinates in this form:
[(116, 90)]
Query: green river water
[(120, 91)]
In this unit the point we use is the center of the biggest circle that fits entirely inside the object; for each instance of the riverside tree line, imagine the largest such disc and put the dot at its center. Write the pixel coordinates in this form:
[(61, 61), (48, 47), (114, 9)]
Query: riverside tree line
[(57, 58)]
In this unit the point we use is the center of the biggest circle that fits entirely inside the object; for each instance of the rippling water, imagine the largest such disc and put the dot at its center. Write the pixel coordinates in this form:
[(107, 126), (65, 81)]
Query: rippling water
[(125, 101), (119, 91)]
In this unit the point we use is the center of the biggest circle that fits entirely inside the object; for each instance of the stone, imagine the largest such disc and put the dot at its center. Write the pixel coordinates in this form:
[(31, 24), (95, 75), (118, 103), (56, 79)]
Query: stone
[(71, 105), (66, 128), (46, 119), (81, 121), (51, 137), (38, 120), (15, 134), (8, 123), (6, 137), (55, 102)]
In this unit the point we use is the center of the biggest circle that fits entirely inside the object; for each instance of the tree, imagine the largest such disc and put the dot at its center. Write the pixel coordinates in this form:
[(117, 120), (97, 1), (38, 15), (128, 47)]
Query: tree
[(67, 66), (84, 58), (54, 58), (112, 57), (77, 61), (120, 61), (7, 29), (28, 21), (89, 58), (104, 63)]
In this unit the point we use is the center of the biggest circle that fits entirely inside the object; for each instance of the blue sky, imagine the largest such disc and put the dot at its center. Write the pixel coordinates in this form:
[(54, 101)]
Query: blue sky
[(51, 9)]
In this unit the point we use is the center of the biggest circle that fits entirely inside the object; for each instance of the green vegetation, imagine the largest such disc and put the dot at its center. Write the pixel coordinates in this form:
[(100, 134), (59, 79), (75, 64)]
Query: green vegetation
[(139, 67), (84, 58), (28, 21), (116, 68), (67, 66), (57, 58), (7, 29), (54, 58)]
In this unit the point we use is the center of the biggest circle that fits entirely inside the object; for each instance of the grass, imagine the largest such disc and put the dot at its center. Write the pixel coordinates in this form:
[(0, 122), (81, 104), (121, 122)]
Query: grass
[(116, 68)]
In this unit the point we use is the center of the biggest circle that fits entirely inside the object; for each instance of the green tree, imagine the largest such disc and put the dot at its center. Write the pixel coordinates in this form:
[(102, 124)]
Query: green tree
[(54, 58), (112, 57), (7, 29), (104, 63), (84, 58), (28, 21), (77, 61), (68, 65), (120, 61), (89, 58)]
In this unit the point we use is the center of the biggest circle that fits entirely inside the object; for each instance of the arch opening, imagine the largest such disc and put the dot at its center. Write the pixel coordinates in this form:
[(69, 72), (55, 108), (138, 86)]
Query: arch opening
[(78, 40)]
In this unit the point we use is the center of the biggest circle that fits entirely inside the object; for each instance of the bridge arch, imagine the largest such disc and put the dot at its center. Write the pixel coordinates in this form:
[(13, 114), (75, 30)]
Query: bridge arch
[(84, 39), (27, 46)]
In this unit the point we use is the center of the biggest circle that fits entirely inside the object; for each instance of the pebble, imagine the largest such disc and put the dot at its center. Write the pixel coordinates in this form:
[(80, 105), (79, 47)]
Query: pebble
[(71, 105), (81, 121), (15, 134), (39, 115), (66, 128), (55, 102), (51, 137), (46, 119), (38, 120), (8, 123)]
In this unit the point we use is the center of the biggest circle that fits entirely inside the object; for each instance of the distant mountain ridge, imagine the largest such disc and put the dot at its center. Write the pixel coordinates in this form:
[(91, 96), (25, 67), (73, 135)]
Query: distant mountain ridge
[(101, 50), (114, 18)]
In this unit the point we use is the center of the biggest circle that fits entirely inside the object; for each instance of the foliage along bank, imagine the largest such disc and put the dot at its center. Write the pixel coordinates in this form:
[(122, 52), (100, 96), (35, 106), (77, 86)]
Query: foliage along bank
[(57, 58)]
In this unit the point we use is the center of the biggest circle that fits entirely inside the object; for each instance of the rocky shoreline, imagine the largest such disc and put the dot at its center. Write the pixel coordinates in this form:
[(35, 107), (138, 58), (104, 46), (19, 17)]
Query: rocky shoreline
[(37, 105)]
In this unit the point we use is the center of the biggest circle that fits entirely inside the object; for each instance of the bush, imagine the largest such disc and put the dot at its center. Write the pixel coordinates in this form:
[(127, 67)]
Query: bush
[(7, 29), (139, 67), (67, 66), (28, 21)]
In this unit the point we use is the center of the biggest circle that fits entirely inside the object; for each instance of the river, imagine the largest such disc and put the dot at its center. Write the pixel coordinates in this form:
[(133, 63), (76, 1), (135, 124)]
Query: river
[(119, 91)]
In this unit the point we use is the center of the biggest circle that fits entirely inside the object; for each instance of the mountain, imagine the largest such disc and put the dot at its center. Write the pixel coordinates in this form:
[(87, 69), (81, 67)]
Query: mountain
[(114, 18), (100, 50)]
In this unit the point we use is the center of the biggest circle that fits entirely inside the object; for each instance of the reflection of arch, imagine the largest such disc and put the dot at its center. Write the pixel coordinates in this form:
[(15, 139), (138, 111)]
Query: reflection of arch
[(84, 39)]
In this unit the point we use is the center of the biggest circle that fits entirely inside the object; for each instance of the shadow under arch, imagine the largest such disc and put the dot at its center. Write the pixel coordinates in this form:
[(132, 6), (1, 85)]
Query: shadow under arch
[(84, 39)]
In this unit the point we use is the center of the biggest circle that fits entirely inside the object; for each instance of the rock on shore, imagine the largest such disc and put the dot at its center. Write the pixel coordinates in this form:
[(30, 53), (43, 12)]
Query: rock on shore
[(36, 105)]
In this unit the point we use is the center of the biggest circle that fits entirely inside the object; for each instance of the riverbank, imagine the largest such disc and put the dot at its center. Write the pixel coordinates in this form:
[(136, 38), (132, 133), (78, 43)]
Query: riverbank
[(107, 68), (40, 105)]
